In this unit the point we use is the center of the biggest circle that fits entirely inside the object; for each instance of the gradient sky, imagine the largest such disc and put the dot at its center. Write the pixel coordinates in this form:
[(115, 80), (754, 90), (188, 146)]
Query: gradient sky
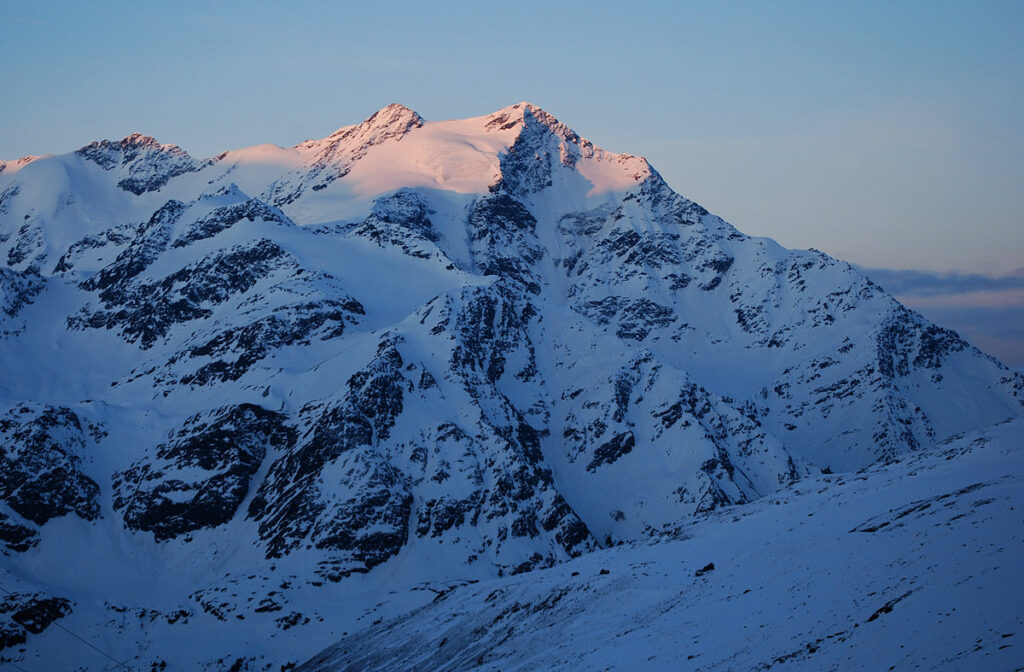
[(890, 134)]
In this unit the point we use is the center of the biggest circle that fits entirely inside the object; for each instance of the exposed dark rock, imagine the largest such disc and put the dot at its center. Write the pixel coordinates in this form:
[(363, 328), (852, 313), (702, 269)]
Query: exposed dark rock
[(41, 476), (612, 450), (200, 476), (225, 217), (401, 219), (117, 236), (17, 290), (146, 164), (503, 240), (23, 614), (146, 311), (366, 516), (151, 239), (635, 318), (16, 536), (237, 349), (905, 340)]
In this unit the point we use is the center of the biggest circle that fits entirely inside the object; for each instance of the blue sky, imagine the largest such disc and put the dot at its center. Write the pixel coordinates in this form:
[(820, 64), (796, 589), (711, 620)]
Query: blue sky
[(890, 134)]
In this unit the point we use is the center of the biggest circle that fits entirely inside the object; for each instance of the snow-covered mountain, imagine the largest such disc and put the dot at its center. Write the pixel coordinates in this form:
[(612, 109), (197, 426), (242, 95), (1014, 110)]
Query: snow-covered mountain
[(360, 371)]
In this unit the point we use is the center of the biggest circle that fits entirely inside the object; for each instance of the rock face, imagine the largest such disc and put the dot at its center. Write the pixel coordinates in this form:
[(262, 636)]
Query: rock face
[(201, 475), (41, 478), (141, 163), (17, 290), (418, 353), (25, 614)]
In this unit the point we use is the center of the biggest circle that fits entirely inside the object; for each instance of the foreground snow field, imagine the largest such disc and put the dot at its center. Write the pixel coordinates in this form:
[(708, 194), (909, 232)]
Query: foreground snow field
[(916, 565)]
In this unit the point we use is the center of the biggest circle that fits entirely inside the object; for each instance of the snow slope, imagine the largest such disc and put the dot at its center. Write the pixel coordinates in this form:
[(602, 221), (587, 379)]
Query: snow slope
[(914, 565)]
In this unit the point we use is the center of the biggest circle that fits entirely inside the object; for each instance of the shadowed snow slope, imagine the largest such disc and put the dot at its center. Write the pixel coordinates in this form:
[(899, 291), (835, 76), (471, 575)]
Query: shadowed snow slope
[(270, 397), (913, 565)]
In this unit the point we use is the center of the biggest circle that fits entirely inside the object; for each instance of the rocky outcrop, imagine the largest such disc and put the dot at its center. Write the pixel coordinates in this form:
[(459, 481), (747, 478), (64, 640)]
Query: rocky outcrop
[(42, 451), (201, 475), (142, 163)]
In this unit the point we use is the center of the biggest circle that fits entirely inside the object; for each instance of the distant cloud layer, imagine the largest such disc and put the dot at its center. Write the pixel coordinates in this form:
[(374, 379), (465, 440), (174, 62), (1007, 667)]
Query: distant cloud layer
[(987, 310), (925, 284)]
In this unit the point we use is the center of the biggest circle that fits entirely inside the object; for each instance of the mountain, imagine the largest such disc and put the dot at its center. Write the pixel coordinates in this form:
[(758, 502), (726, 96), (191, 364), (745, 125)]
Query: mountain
[(368, 369)]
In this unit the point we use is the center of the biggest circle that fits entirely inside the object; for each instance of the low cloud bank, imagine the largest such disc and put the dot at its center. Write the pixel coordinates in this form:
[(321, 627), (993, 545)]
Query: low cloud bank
[(986, 310), (926, 284)]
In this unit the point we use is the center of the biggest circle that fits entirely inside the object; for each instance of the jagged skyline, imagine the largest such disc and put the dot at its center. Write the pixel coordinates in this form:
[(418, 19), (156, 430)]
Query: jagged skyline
[(791, 124), (889, 136)]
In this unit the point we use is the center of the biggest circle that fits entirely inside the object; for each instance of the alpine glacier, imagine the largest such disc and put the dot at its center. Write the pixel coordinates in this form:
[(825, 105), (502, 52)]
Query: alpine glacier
[(259, 402)]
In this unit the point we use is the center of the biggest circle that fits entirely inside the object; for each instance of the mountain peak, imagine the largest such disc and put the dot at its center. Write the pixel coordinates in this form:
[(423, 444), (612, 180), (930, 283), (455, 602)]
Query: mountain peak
[(394, 115), (522, 107), (132, 145), (139, 140), (527, 115), (393, 120), (147, 164), (526, 106), (521, 113), (395, 108)]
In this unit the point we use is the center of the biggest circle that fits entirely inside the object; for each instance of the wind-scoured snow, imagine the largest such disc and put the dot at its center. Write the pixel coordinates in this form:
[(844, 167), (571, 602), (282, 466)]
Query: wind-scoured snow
[(270, 397)]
